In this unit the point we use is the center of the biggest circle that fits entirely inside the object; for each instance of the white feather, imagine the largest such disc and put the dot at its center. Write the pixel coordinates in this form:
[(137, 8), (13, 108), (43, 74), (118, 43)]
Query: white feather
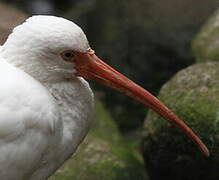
[(44, 115)]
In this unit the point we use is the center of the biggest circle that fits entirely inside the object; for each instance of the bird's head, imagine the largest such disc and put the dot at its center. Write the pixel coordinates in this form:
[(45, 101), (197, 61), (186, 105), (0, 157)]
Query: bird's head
[(60, 47), (44, 45)]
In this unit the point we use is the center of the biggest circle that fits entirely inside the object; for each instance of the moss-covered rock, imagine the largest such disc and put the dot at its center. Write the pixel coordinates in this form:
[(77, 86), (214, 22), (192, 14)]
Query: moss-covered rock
[(205, 46), (193, 94), (103, 155)]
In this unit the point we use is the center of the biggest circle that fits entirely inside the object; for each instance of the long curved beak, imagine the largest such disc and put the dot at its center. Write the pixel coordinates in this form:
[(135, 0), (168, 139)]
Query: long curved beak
[(89, 66)]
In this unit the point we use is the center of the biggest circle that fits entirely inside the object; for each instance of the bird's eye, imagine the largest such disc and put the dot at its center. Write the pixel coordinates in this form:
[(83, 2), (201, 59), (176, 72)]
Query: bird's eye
[(67, 55)]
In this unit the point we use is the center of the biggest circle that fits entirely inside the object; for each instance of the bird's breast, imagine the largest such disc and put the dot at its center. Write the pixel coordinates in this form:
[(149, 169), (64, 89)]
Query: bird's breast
[(76, 103)]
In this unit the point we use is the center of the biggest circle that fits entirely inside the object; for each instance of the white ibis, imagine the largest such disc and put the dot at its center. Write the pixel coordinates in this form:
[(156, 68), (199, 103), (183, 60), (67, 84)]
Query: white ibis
[(46, 106)]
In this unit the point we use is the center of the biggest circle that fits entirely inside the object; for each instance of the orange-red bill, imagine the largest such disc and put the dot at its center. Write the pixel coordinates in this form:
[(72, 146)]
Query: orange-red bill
[(89, 66)]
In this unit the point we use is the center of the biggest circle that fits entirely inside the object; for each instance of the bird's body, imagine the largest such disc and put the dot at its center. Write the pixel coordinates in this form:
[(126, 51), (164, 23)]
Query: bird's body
[(43, 116), (40, 126), (46, 107)]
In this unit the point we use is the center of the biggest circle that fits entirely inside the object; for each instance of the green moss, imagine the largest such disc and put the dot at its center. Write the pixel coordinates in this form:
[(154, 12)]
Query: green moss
[(102, 155), (193, 94), (205, 46), (104, 126)]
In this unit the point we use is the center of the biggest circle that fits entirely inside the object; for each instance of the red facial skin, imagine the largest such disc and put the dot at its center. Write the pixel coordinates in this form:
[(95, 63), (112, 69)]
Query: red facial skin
[(89, 66)]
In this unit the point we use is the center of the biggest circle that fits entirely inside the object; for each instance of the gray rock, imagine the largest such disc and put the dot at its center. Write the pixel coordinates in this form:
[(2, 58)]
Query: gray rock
[(193, 94), (205, 46)]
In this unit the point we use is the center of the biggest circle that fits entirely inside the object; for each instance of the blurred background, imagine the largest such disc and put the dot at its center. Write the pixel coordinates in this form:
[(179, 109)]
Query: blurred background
[(147, 40)]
